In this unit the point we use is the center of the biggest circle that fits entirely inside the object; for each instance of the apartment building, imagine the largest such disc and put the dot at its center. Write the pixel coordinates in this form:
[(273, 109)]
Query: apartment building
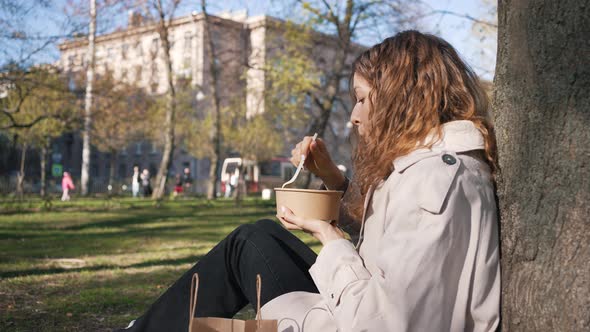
[(244, 46)]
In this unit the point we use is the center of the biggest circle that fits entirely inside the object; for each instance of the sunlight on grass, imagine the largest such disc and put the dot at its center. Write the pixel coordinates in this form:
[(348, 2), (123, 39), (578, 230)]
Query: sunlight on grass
[(93, 264)]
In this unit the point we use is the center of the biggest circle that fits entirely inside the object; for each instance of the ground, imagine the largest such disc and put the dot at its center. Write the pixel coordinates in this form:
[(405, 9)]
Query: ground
[(95, 264)]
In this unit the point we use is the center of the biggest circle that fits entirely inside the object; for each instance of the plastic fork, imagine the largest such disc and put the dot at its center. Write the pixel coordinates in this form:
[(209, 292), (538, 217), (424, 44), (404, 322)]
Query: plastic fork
[(300, 166)]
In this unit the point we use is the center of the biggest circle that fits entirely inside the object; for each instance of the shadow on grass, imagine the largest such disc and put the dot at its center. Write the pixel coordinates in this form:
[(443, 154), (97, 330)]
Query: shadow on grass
[(159, 262), (145, 218)]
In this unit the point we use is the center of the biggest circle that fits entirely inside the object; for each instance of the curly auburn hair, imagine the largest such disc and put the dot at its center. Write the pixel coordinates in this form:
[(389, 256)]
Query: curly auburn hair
[(418, 82)]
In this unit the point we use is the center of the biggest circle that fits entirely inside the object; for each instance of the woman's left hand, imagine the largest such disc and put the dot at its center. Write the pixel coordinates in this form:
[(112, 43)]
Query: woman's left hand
[(321, 230)]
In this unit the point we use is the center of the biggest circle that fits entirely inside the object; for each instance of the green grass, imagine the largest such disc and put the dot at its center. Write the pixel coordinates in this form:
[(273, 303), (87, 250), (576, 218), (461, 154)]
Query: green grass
[(96, 264)]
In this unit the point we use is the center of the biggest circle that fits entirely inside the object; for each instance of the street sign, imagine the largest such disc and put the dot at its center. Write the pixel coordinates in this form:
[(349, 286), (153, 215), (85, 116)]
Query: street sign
[(57, 170)]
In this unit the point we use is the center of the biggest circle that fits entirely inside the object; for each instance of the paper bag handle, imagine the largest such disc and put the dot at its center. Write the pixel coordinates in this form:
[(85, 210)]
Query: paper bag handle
[(258, 291), (193, 300), (195, 289)]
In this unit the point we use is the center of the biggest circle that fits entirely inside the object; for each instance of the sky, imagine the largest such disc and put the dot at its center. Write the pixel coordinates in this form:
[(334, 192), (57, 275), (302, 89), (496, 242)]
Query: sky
[(479, 52)]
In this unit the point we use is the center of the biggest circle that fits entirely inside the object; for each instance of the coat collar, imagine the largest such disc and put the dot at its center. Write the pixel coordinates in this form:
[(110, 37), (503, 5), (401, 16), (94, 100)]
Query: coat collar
[(457, 136)]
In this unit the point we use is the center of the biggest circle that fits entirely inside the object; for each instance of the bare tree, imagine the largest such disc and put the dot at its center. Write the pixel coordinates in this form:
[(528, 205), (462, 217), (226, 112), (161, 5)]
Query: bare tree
[(541, 115), (90, 56), (164, 17), (216, 133), (345, 20)]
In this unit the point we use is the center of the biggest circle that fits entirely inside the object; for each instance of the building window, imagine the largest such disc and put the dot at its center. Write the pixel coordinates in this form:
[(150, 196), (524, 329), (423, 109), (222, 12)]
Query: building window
[(138, 49), (124, 50), (187, 49), (188, 42), (124, 74), (94, 170), (110, 54), (138, 73), (171, 40), (154, 149), (122, 171), (138, 148), (155, 46), (71, 61)]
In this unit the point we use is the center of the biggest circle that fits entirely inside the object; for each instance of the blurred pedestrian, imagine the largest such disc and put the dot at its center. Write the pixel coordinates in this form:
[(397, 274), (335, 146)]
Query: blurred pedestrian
[(187, 179), (177, 186), (145, 183), (135, 181), (66, 185), (233, 183)]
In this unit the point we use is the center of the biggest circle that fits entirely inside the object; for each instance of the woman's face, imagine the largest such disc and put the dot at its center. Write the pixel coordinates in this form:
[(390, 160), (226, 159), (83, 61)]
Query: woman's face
[(360, 111)]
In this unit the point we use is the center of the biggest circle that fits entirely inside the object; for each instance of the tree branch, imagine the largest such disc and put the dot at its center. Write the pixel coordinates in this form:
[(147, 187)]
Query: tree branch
[(14, 124), (465, 16)]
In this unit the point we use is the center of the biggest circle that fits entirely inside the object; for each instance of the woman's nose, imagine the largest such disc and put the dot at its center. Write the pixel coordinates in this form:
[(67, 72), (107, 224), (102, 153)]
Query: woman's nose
[(354, 117)]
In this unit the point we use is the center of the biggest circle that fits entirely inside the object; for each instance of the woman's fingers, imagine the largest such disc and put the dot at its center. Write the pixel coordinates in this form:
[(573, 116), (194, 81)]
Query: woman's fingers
[(301, 149), (288, 225), (289, 217)]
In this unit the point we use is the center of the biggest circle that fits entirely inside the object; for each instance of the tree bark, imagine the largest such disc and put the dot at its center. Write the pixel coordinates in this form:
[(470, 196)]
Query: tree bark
[(88, 101), (113, 164), (169, 122), (43, 165), (216, 136), (542, 118), (20, 180)]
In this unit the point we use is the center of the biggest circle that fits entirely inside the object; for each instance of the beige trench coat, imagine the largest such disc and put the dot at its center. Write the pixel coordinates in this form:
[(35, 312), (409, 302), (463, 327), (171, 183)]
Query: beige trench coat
[(428, 258)]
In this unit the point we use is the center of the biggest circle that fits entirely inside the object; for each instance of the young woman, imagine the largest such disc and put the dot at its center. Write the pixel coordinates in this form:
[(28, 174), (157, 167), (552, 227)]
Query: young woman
[(421, 203)]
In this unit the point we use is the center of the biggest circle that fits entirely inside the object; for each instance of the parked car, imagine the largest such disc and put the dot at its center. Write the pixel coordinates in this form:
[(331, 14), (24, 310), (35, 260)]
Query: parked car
[(262, 175)]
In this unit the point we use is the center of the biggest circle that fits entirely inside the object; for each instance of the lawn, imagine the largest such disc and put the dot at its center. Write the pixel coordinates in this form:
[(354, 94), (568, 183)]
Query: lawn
[(95, 264)]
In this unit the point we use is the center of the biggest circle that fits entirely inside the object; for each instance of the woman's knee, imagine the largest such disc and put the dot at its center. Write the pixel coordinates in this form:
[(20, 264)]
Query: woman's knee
[(243, 229), (266, 223), (260, 227)]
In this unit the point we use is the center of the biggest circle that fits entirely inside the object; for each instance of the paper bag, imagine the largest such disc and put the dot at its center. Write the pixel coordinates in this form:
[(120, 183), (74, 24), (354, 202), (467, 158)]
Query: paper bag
[(215, 324)]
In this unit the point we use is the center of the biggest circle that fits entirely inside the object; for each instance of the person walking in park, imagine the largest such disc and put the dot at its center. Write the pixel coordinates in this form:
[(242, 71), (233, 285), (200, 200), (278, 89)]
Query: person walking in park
[(145, 183), (177, 186), (187, 180), (233, 183), (67, 184), (421, 204), (135, 181)]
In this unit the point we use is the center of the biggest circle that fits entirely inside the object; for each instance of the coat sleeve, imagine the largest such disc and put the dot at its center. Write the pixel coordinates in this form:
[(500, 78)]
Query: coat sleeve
[(419, 267)]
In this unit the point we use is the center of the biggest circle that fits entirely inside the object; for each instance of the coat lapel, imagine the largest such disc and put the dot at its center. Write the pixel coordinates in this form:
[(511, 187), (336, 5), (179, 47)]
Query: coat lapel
[(365, 209)]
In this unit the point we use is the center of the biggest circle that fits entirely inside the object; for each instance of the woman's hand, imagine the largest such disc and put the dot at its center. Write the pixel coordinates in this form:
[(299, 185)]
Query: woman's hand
[(318, 161), (321, 230)]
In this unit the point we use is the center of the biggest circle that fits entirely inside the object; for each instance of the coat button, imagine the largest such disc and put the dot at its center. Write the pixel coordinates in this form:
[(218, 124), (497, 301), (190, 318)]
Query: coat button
[(332, 295), (448, 159)]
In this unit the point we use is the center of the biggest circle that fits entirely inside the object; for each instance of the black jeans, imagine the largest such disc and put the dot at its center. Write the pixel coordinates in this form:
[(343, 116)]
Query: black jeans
[(227, 277)]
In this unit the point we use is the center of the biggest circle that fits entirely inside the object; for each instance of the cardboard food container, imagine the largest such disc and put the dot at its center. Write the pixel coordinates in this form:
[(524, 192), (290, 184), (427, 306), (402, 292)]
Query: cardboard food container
[(308, 203)]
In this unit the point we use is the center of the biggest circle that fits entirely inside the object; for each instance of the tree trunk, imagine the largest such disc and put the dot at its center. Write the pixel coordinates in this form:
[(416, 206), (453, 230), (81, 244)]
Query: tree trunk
[(43, 165), (20, 179), (332, 90), (169, 122), (113, 164), (216, 137), (542, 119), (88, 101)]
